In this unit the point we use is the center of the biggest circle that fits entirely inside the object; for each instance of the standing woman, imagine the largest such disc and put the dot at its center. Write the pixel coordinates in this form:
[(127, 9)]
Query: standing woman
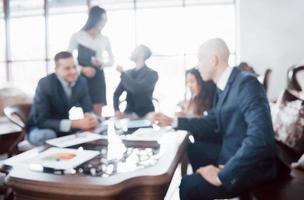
[(89, 39)]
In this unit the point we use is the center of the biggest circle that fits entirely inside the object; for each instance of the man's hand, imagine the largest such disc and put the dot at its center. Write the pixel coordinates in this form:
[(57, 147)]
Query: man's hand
[(88, 71), (210, 174), (160, 119), (87, 123), (119, 115), (119, 68)]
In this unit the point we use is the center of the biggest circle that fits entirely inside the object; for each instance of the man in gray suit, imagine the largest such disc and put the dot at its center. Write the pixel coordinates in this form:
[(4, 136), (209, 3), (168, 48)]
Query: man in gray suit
[(55, 95)]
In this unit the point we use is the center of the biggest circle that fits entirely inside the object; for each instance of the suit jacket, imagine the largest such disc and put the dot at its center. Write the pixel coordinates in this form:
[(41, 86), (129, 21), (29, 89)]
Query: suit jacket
[(139, 85), (50, 104), (242, 118)]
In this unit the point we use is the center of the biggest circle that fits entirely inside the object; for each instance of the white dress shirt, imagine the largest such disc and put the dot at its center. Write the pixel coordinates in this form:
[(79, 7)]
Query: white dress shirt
[(100, 44), (222, 82)]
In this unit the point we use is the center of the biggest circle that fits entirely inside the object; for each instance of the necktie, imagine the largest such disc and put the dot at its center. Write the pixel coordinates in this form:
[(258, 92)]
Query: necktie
[(69, 91), (218, 94)]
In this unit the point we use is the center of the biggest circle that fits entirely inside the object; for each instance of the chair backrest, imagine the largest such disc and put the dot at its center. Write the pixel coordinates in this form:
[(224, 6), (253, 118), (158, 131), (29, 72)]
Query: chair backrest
[(123, 104), (18, 114), (266, 79), (292, 79)]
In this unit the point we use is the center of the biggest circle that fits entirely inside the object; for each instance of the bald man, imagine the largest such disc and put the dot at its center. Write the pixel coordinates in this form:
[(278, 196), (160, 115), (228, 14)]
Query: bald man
[(245, 154)]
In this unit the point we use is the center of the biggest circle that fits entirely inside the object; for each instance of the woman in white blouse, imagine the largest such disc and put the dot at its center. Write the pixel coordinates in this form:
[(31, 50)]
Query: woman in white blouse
[(89, 39)]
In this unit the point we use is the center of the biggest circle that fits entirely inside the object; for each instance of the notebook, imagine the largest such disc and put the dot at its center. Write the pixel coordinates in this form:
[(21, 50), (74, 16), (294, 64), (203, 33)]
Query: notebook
[(85, 55), (132, 124)]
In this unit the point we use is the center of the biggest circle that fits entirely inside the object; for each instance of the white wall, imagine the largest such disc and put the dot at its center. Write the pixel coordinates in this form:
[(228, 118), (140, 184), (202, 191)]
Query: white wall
[(271, 36)]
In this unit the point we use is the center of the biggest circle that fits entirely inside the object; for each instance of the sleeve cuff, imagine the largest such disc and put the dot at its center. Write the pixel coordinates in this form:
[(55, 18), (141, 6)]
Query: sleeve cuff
[(65, 125), (175, 123), (219, 180)]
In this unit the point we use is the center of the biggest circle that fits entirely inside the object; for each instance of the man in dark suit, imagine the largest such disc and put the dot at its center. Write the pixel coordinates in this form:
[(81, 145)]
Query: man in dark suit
[(245, 155), (139, 84), (55, 95)]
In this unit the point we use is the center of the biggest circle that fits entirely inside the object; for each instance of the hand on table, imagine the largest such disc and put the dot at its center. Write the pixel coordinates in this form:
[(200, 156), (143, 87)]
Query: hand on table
[(119, 115), (87, 123), (160, 119)]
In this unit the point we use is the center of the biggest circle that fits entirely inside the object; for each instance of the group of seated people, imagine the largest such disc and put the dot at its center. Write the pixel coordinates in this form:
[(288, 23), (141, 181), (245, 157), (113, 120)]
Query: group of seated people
[(58, 92), (228, 115)]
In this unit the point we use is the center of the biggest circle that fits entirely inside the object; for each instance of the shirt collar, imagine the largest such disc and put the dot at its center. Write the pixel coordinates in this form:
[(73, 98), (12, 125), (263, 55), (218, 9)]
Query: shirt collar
[(221, 84), (65, 83)]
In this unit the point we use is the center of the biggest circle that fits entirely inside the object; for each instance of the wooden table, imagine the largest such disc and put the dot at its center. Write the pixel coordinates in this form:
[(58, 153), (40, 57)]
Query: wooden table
[(145, 183)]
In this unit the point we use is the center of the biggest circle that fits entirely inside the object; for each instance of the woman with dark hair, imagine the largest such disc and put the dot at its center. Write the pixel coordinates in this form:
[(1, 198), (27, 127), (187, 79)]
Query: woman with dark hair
[(202, 94), (200, 102), (94, 53)]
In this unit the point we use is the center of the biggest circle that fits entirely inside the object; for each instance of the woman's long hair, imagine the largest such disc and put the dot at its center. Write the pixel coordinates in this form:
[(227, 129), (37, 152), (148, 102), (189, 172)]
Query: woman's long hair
[(95, 15), (204, 100)]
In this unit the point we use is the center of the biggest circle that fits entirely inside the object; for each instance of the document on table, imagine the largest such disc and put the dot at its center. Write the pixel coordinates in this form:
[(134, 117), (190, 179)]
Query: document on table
[(75, 139), (145, 134), (62, 158)]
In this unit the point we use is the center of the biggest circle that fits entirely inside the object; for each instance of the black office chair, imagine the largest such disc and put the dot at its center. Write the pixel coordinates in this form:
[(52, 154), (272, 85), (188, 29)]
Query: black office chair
[(266, 79), (123, 104)]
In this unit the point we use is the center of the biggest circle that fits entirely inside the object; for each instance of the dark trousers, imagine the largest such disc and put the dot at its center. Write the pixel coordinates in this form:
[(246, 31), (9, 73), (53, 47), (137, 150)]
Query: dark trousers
[(195, 186)]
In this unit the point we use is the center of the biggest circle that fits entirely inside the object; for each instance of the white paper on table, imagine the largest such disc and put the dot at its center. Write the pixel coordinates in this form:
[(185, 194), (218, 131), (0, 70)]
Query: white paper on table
[(77, 138), (145, 134), (62, 158), (126, 123)]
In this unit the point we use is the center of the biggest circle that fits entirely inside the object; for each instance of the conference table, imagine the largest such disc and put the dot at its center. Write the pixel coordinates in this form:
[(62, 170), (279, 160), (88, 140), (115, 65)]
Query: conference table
[(124, 169)]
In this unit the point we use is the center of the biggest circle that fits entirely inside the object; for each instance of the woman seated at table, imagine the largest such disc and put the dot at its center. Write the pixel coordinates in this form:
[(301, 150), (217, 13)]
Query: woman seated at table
[(288, 112), (201, 101), (201, 95)]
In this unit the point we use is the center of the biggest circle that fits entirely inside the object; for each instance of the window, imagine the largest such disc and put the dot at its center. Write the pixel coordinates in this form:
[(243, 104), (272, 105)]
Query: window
[(2, 74), (1, 10), (170, 87), (67, 6), (27, 74), (110, 5), (208, 22), (2, 47), (161, 31), (61, 30), (22, 8), (2, 39), (173, 29), (122, 38), (27, 43), (27, 38), (2, 33), (158, 3)]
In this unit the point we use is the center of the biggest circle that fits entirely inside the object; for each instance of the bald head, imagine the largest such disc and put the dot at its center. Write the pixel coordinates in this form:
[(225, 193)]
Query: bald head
[(213, 56), (215, 47), (141, 52)]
